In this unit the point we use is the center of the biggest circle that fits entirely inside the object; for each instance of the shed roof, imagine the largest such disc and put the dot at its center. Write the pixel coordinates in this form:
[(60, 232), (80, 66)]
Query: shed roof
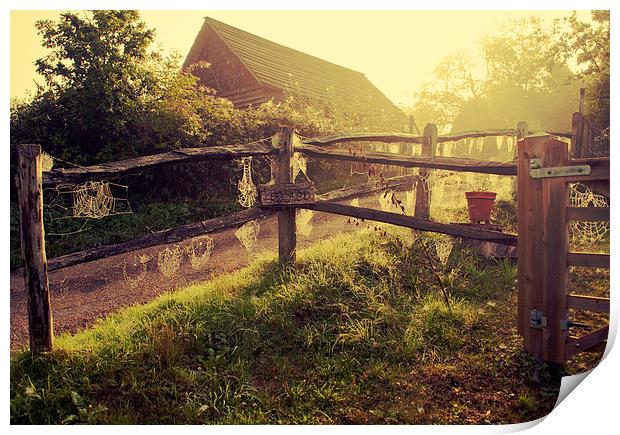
[(281, 67)]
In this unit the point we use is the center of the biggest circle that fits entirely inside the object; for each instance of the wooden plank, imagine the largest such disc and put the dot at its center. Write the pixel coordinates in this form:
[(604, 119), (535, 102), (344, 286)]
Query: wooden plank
[(591, 214), (555, 247), (446, 163), (530, 230), (475, 134), (364, 137), (32, 232), (287, 231), (186, 155), (393, 183), (582, 344), (588, 303), (423, 193), (391, 137), (582, 259), (412, 222), (286, 194), (163, 237)]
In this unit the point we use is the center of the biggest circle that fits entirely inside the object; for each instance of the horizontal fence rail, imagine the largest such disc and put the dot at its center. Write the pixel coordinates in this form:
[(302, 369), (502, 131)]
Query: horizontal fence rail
[(163, 237), (588, 303), (414, 223), (186, 155), (445, 163), (392, 137), (393, 183)]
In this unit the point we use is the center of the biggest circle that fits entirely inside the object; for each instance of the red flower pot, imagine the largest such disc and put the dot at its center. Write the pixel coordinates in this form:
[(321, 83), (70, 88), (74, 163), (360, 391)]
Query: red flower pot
[(479, 205)]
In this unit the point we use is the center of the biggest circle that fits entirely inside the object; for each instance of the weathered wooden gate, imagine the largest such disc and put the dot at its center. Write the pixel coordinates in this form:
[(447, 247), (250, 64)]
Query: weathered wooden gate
[(544, 172)]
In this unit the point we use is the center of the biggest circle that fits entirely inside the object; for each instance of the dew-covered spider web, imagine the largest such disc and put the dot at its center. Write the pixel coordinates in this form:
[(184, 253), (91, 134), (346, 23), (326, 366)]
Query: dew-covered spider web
[(443, 247), (199, 251), (47, 162), (299, 164), (248, 234), (587, 233), (169, 260), (302, 222), (94, 199), (247, 188), (135, 271)]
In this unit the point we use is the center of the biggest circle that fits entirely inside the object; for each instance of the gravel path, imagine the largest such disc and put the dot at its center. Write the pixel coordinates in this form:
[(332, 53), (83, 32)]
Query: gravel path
[(83, 293)]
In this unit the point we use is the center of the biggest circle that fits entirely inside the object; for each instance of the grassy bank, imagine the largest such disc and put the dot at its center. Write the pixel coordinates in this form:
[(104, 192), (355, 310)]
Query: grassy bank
[(368, 328)]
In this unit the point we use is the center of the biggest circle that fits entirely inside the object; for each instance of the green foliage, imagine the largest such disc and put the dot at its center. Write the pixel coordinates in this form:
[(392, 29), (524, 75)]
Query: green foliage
[(587, 43), (340, 333)]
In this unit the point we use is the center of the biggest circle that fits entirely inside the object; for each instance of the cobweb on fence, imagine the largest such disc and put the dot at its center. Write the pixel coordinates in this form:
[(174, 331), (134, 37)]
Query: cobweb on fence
[(47, 162), (300, 164), (302, 222), (587, 233), (247, 188), (443, 248), (248, 234), (134, 272), (199, 251), (94, 199), (169, 260)]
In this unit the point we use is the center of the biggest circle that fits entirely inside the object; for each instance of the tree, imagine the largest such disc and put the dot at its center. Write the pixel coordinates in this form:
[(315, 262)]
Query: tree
[(519, 75), (106, 93), (587, 43)]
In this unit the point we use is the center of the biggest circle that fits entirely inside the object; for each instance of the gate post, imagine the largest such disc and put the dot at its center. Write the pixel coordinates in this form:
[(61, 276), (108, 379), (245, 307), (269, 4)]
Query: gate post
[(542, 250), (287, 231), (423, 194), (30, 192)]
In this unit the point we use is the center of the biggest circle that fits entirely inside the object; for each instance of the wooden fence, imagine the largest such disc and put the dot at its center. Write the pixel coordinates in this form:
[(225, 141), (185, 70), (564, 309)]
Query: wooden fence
[(284, 197)]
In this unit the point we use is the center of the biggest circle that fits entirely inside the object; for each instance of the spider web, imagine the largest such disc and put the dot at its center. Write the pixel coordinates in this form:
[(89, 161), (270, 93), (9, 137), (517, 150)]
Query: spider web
[(169, 260), (302, 222), (94, 199), (47, 162), (199, 251), (248, 234), (443, 248), (587, 233), (134, 272), (247, 188), (300, 164)]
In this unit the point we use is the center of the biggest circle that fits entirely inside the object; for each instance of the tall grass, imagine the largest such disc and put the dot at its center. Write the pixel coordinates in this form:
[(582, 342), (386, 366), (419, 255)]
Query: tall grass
[(308, 345)]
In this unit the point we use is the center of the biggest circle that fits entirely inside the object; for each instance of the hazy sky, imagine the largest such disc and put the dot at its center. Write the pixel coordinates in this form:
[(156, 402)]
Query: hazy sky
[(397, 50)]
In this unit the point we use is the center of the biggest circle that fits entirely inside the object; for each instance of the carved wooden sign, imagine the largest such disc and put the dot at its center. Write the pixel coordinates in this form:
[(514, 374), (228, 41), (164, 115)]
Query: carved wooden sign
[(287, 194)]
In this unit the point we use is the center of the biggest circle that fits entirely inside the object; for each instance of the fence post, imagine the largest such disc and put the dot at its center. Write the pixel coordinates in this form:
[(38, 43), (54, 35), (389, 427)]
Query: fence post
[(541, 229), (423, 194), (287, 232), (578, 126), (30, 191)]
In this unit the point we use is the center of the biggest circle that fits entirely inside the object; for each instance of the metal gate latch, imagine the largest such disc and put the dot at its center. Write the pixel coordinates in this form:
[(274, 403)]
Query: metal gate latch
[(537, 171), (537, 320)]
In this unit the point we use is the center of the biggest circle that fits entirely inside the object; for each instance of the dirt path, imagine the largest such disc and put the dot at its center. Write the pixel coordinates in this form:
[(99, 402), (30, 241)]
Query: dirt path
[(83, 293)]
